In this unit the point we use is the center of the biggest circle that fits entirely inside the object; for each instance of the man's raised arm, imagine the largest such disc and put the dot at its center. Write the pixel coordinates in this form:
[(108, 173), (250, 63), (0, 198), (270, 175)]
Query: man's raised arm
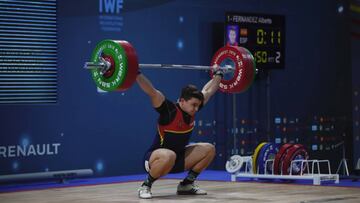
[(212, 86), (156, 97)]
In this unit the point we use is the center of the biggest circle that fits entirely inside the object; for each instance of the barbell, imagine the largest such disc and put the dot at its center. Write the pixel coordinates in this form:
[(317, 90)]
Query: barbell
[(114, 66)]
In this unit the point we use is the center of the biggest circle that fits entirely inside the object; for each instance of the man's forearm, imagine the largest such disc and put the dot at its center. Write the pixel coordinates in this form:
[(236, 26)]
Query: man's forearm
[(213, 85)]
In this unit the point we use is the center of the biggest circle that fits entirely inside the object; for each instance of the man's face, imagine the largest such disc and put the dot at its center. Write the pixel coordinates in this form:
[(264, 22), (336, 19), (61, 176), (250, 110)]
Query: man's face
[(232, 36), (190, 106)]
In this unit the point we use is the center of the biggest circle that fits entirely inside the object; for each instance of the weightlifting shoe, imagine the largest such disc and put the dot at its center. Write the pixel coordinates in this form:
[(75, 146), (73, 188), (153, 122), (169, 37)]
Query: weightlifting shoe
[(190, 189), (144, 192)]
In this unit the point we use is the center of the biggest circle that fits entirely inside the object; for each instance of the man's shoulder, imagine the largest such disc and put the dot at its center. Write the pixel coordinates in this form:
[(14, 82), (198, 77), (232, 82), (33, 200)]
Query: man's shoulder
[(167, 112), (170, 103), (166, 106)]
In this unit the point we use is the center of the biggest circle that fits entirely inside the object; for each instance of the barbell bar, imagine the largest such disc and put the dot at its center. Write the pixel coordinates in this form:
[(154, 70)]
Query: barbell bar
[(105, 65), (114, 66)]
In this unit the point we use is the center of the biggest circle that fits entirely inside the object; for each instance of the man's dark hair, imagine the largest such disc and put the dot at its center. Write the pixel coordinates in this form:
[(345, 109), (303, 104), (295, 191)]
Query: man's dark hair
[(191, 91)]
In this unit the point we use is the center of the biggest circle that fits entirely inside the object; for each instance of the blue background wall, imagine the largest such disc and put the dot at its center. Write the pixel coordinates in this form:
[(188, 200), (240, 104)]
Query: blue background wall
[(310, 100), (355, 64)]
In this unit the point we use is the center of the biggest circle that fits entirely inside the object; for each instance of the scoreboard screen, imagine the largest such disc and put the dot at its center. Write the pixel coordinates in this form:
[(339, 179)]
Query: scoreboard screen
[(262, 35)]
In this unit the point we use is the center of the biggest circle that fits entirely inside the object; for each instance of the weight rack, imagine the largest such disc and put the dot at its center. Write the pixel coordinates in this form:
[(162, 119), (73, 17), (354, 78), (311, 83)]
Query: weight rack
[(315, 175)]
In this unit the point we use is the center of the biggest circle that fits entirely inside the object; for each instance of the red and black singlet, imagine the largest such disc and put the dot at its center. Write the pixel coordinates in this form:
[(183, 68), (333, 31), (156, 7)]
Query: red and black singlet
[(174, 128)]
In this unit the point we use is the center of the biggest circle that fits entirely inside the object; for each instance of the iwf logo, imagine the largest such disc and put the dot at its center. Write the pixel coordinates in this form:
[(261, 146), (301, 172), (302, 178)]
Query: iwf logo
[(110, 18), (110, 6)]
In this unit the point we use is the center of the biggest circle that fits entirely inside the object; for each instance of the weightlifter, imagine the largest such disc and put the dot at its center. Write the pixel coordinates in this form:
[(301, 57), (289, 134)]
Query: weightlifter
[(170, 151)]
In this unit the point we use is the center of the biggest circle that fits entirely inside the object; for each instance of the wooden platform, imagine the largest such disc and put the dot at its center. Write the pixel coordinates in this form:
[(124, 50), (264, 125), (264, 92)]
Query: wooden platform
[(165, 191)]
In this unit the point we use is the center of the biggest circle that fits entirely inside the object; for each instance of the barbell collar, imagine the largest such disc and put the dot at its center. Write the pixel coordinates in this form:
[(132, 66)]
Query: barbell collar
[(94, 65), (102, 64)]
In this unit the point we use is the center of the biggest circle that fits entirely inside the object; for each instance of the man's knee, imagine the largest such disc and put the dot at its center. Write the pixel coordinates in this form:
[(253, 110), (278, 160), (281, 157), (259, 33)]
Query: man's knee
[(210, 149), (166, 156), (169, 156)]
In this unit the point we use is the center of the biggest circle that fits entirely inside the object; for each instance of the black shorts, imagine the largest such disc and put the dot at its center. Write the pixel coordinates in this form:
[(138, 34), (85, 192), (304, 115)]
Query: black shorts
[(178, 167)]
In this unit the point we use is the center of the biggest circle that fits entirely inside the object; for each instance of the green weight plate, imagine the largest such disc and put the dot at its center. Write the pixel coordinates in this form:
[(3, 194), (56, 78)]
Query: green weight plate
[(110, 48)]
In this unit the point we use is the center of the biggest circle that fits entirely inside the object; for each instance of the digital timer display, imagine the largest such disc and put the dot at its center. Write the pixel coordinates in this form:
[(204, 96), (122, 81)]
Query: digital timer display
[(263, 35)]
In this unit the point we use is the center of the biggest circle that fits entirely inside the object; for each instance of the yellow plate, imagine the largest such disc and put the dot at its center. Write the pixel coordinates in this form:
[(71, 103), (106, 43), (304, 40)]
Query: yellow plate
[(255, 155)]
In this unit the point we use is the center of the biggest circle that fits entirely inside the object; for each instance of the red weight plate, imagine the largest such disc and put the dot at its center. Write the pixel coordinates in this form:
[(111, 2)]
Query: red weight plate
[(250, 69), (133, 65), (300, 154), (111, 71), (244, 69), (295, 151), (279, 156), (286, 159)]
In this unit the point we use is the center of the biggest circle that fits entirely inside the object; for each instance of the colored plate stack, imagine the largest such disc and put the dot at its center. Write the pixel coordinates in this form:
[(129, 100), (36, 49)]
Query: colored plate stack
[(263, 152), (282, 158)]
